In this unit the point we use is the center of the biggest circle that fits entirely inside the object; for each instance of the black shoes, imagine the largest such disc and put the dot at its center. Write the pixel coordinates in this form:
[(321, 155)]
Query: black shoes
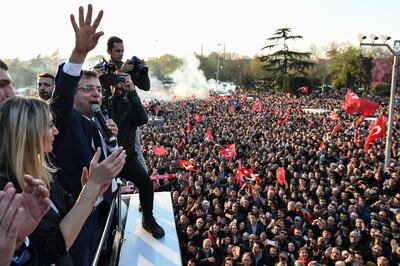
[(153, 227)]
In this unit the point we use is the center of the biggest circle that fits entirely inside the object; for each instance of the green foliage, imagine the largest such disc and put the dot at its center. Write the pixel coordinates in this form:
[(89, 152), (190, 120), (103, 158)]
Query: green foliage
[(283, 62), (381, 89), (350, 68), (164, 65), (24, 73)]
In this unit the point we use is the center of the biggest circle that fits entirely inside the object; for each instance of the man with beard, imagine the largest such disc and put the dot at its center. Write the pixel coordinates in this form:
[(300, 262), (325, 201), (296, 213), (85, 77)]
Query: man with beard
[(45, 85), (125, 107)]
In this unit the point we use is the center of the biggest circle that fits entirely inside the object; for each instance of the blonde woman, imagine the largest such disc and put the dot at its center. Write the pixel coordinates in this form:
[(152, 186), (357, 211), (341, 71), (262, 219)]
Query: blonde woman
[(26, 135)]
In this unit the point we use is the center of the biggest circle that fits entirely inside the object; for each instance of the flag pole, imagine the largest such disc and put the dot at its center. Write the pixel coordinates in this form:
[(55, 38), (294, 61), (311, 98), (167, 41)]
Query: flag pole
[(396, 53), (388, 147)]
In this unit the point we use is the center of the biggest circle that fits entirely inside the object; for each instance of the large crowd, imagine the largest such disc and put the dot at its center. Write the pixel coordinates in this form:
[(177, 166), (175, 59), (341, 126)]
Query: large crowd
[(338, 205), (255, 178)]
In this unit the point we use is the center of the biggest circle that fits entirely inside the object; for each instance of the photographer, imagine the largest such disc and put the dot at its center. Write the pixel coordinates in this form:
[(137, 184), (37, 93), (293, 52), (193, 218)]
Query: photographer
[(108, 77), (134, 67), (126, 109)]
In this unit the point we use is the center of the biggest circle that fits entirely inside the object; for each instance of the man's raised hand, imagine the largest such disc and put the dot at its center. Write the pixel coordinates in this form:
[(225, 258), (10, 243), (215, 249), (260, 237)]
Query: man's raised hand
[(86, 35)]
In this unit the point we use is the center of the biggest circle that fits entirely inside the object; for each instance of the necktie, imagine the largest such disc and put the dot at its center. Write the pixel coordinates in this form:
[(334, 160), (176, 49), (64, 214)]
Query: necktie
[(97, 143)]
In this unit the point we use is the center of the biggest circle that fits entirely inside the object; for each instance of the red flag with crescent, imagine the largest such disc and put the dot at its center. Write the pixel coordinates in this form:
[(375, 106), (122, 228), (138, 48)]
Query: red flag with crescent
[(377, 131)]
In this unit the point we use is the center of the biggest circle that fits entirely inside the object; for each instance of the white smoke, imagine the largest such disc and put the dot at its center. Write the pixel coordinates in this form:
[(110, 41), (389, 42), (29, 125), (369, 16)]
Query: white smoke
[(189, 79), (157, 91)]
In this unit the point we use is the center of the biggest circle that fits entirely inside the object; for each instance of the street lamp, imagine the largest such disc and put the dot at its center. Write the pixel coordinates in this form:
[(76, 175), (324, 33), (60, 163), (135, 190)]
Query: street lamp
[(396, 53), (218, 63)]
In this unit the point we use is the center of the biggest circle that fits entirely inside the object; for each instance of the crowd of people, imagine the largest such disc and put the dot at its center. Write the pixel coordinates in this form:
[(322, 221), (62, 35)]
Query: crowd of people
[(254, 180), (338, 205), (59, 158)]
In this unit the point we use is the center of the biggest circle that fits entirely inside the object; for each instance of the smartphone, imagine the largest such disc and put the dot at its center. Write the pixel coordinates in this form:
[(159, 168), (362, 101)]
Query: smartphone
[(271, 242)]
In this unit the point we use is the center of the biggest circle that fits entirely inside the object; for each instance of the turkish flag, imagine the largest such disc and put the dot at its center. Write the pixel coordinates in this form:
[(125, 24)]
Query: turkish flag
[(187, 165), (242, 99), (359, 120), (284, 119), (180, 144), (223, 98), (377, 131), (197, 118), (256, 107), (188, 128), (280, 176), (321, 146), (354, 104), (182, 133), (158, 151), (208, 135), (242, 174), (164, 176), (304, 90), (356, 140), (231, 109), (338, 127), (228, 151)]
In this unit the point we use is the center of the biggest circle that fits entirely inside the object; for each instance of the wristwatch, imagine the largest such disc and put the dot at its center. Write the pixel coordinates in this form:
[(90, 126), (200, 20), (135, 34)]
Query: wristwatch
[(22, 255)]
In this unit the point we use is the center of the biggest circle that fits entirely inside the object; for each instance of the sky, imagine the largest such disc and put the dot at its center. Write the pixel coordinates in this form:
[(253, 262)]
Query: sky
[(154, 27)]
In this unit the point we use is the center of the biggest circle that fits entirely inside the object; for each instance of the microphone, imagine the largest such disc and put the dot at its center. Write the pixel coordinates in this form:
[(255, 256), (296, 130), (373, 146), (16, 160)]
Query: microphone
[(110, 138)]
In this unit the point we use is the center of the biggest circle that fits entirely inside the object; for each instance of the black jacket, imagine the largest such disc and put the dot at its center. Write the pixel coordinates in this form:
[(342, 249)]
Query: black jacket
[(47, 245), (128, 113)]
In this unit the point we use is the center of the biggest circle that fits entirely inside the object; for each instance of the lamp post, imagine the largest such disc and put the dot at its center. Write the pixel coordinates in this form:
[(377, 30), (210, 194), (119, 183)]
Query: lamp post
[(218, 64), (396, 53)]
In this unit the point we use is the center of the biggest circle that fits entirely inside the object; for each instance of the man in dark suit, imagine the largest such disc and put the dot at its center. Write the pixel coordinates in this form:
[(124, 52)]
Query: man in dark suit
[(254, 227), (76, 143)]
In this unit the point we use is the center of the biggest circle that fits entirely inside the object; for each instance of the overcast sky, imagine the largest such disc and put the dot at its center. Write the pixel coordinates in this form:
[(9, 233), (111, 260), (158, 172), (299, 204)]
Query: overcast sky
[(155, 27)]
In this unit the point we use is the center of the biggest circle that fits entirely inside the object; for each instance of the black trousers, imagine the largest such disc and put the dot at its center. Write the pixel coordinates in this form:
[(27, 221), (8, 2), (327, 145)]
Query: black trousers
[(134, 171)]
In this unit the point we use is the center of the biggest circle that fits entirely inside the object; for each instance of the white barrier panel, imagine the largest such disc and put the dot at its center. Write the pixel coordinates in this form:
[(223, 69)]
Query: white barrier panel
[(139, 247)]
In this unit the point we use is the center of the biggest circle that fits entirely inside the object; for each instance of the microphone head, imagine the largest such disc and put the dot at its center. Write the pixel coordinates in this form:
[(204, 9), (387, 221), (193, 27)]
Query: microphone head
[(95, 107)]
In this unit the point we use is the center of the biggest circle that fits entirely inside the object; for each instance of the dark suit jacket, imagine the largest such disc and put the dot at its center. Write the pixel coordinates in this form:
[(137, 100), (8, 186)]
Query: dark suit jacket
[(72, 146), (259, 229), (47, 243)]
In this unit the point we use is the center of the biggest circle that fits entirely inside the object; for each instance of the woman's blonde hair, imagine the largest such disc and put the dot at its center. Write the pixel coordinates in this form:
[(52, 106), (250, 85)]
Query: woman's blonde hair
[(23, 124)]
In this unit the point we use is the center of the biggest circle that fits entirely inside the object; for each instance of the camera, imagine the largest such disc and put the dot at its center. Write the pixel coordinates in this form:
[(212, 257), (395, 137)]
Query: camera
[(110, 78), (120, 78), (139, 66)]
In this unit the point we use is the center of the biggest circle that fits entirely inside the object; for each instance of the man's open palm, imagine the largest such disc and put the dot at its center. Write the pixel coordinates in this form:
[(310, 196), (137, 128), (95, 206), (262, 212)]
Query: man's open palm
[(86, 37)]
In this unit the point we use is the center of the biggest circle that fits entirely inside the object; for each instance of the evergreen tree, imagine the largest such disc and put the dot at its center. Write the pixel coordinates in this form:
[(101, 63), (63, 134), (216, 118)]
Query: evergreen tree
[(285, 62)]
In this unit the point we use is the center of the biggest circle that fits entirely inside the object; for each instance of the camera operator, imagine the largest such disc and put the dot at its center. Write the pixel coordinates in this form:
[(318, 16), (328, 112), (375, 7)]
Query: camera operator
[(134, 67), (126, 109)]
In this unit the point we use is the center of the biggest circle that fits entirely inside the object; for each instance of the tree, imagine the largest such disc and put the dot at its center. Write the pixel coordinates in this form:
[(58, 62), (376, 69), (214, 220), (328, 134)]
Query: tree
[(164, 65), (318, 73), (349, 68), (285, 62)]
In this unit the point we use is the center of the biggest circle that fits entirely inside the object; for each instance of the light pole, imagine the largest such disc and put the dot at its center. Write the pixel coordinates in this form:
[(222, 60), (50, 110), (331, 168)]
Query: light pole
[(396, 53), (218, 63), (157, 72)]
